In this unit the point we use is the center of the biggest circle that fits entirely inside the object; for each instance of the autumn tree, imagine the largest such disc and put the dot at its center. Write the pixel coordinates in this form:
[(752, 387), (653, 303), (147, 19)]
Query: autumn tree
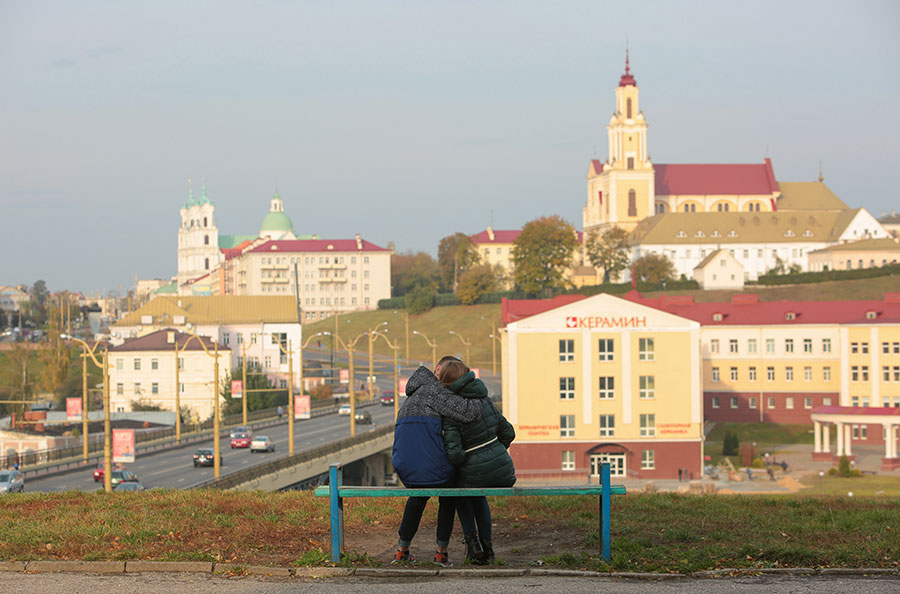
[(457, 253), (475, 282), (609, 251), (413, 269), (542, 252), (54, 356), (267, 395), (654, 268)]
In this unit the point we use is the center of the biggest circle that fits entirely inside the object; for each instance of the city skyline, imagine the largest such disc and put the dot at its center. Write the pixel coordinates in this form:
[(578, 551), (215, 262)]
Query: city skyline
[(404, 122)]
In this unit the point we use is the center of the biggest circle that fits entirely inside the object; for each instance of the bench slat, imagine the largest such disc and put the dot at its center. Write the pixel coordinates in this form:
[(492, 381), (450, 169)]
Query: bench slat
[(349, 491)]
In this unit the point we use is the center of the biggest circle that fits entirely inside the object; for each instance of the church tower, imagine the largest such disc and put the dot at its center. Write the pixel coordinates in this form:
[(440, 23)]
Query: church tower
[(621, 190), (198, 237)]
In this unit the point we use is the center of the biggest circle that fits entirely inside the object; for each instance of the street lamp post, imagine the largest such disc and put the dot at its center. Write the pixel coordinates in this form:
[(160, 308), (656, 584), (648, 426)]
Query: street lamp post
[(495, 338), (467, 344), (217, 464), (350, 346), (370, 381), (395, 348), (406, 343), (84, 399), (432, 344)]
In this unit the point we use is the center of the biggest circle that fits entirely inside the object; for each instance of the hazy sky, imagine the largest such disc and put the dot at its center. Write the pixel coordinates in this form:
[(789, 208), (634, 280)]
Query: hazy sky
[(405, 121)]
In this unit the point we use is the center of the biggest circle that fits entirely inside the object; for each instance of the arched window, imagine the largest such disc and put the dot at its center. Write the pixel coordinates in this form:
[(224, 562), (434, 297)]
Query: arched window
[(206, 264), (206, 240), (723, 207), (628, 108), (632, 203), (690, 207), (660, 207), (631, 162), (204, 222)]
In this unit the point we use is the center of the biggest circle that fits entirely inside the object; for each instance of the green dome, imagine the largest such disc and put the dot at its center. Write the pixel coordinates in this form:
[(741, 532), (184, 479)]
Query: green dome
[(276, 221)]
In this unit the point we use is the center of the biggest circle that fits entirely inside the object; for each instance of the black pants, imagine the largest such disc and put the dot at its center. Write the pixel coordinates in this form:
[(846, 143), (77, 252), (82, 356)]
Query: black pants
[(412, 515), (474, 511)]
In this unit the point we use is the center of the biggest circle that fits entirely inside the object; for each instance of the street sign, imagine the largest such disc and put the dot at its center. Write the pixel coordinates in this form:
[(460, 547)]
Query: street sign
[(123, 445), (301, 406), (345, 376), (73, 409), (237, 389)]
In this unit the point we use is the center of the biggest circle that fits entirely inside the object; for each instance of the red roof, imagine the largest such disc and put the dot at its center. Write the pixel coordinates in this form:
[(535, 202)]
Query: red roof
[(317, 245), (707, 179), (236, 250), (742, 311), (159, 341), (500, 236)]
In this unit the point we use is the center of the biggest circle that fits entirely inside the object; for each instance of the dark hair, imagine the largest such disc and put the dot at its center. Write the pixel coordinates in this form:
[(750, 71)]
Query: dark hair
[(450, 369)]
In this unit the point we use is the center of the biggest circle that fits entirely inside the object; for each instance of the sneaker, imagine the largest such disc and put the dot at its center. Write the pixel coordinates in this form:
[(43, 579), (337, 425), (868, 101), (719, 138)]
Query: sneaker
[(442, 559), (402, 556)]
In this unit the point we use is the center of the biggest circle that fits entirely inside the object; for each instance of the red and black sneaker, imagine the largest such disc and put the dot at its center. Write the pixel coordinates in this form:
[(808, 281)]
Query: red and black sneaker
[(401, 556), (442, 559)]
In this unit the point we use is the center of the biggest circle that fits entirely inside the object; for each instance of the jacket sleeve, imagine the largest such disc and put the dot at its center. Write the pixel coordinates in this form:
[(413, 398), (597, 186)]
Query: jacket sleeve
[(455, 407), (505, 432), (453, 443)]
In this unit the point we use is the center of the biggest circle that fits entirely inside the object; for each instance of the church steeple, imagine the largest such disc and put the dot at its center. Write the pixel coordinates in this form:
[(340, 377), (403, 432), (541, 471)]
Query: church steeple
[(627, 79)]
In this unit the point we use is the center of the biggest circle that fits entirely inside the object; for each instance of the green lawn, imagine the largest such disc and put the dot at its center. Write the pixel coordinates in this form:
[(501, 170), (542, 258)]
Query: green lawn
[(768, 437), (859, 486)]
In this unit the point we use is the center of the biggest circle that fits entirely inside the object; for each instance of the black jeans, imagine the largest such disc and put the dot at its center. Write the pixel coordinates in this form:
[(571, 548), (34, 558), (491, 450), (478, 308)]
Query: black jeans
[(472, 511), (412, 515)]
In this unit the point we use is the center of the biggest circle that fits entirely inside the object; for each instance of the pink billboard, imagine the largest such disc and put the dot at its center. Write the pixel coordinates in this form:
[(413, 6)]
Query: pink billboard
[(123, 445), (302, 408), (73, 409), (345, 376)]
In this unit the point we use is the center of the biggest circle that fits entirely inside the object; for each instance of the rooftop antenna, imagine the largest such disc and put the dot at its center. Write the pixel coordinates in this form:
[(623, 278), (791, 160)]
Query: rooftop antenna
[(821, 177)]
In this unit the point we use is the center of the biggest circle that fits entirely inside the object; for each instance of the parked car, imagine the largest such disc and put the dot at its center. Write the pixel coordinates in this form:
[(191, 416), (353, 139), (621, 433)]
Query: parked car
[(344, 410), (12, 481), (241, 430), (363, 417), (240, 440), (123, 476), (129, 487), (387, 399), (206, 457), (261, 443), (98, 472)]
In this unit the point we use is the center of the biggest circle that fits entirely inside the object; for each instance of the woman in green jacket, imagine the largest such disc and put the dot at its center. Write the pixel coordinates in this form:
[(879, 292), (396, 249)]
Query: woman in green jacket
[(478, 450)]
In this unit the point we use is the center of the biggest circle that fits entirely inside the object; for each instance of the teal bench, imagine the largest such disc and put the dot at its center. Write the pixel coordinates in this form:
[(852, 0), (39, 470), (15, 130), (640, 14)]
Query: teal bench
[(336, 491)]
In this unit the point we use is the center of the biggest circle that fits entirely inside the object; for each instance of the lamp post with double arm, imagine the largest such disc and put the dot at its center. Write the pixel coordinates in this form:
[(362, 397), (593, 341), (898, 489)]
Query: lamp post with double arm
[(394, 347), (432, 344), (349, 346), (467, 343)]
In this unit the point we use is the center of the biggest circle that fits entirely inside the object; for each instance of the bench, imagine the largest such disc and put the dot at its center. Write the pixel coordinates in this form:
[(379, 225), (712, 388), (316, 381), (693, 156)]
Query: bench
[(336, 491)]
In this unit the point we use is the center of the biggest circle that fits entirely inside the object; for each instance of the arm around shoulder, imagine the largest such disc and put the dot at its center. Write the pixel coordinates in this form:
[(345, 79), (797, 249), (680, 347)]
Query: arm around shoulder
[(453, 443)]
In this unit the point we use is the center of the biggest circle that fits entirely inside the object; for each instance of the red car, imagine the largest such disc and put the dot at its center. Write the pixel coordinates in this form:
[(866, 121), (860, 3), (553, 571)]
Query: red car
[(241, 440), (98, 472)]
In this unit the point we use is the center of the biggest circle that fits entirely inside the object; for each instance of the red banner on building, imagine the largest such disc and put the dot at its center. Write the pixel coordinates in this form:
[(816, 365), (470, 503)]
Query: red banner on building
[(123, 445), (302, 409), (73, 409), (237, 389)]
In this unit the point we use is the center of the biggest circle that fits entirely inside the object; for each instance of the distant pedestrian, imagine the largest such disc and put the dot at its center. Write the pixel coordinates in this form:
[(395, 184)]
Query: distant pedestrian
[(783, 466), (679, 474), (771, 473), (749, 474), (16, 465), (280, 412), (691, 473)]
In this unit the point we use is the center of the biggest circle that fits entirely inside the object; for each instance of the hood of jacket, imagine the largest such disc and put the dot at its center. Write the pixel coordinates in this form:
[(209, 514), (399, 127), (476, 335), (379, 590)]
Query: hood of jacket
[(422, 377), (469, 386)]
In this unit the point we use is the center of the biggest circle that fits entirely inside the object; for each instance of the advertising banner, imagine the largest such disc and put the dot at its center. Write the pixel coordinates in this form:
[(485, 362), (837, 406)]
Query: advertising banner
[(301, 406), (237, 389), (403, 382), (345, 376), (476, 371), (73, 409), (123, 445)]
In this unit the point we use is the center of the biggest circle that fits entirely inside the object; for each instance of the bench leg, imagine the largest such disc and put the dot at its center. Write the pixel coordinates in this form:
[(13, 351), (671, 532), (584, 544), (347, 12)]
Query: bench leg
[(604, 511), (335, 478)]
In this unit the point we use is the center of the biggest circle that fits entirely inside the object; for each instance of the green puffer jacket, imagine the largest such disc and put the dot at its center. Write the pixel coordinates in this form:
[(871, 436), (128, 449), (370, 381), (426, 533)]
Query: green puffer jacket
[(488, 464)]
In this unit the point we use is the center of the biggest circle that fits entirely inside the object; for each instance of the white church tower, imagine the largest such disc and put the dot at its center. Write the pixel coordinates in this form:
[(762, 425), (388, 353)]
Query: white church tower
[(198, 237)]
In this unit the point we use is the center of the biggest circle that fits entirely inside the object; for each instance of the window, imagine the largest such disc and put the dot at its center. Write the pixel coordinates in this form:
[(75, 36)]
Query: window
[(826, 345), (567, 425), (137, 388), (137, 364), (734, 374), (734, 402), (854, 373), (607, 388), (568, 460), (715, 402), (826, 401), (630, 160), (605, 348), (647, 387), (826, 373), (253, 338), (567, 350), (752, 402), (154, 364), (789, 402), (864, 372), (607, 425), (566, 388), (154, 388), (648, 425), (789, 373), (751, 346), (645, 349), (807, 402), (807, 345), (714, 345), (865, 401), (770, 345), (267, 361), (896, 347), (864, 347), (896, 373), (180, 362), (770, 373), (119, 364), (854, 348), (648, 459), (715, 374), (733, 345), (632, 203), (807, 374), (226, 337), (628, 110), (854, 401), (771, 402), (752, 374), (120, 389), (788, 345)]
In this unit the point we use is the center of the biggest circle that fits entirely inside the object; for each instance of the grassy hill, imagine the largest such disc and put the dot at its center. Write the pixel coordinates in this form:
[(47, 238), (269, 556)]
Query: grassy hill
[(862, 288)]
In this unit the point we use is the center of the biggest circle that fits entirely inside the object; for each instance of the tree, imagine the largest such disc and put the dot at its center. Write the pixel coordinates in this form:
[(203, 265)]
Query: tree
[(413, 269), (542, 252), (608, 251), (55, 357), (475, 282), (457, 253), (269, 397), (38, 298), (654, 268), (420, 299)]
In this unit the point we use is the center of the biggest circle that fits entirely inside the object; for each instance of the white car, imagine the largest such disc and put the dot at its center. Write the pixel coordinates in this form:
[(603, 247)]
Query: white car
[(261, 443), (344, 410)]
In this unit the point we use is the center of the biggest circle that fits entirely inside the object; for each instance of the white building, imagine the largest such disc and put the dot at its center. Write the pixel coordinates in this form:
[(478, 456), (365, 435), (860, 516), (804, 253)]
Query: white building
[(719, 270)]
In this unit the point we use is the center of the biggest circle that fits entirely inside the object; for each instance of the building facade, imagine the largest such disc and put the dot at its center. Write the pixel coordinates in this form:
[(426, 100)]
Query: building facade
[(866, 253)]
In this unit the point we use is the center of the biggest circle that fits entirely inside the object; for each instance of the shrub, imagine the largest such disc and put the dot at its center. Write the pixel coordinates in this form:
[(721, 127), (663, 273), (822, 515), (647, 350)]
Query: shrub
[(419, 300), (856, 473), (321, 391), (832, 471), (844, 467), (757, 463), (827, 275), (747, 453)]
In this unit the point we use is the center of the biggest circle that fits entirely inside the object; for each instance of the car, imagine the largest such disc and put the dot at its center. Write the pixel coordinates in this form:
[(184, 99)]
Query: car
[(387, 399), (240, 440), (363, 417), (205, 457), (241, 430), (98, 472), (12, 481), (261, 443), (129, 487), (344, 410), (123, 476)]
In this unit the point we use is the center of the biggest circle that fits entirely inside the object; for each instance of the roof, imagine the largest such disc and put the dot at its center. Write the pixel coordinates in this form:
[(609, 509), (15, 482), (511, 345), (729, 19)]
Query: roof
[(233, 241), (808, 196), (891, 219), (159, 341), (317, 245), (742, 227), (500, 236), (881, 244), (169, 288), (715, 179), (712, 256), (743, 310), (276, 221), (215, 309)]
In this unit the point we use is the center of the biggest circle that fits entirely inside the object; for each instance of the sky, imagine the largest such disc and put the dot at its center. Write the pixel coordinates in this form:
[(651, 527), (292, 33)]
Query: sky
[(405, 121)]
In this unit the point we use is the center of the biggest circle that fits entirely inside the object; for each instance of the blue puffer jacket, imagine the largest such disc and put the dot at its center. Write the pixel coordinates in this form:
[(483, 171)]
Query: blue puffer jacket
[(419, 457)]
